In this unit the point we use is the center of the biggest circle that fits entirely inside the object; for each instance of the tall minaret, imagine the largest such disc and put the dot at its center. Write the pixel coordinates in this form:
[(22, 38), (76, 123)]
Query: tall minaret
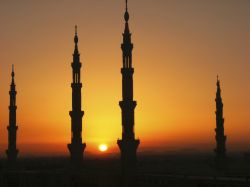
[(12, 128), (76, 147), (128, 144), (220, 149)]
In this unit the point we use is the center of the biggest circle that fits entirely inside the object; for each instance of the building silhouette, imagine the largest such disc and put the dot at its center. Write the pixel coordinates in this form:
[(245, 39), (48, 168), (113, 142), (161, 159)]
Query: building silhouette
[(220, 137), (128, 144), (76, 147), (12, 151)]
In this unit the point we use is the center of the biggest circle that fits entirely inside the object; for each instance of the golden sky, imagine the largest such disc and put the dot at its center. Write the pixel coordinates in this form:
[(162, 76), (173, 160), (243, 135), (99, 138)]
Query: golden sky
[(180, 47)]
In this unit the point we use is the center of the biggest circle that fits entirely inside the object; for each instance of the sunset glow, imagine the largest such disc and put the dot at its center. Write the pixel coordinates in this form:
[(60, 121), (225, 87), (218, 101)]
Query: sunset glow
[(179, 48)]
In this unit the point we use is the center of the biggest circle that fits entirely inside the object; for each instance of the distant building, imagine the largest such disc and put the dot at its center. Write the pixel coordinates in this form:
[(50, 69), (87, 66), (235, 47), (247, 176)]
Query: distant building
[(76, 148), (128, 144), (220, 137), (12, 151)]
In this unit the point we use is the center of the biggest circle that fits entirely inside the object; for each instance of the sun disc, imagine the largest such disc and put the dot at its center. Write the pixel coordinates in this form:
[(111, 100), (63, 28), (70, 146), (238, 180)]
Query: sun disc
[(103, 147)]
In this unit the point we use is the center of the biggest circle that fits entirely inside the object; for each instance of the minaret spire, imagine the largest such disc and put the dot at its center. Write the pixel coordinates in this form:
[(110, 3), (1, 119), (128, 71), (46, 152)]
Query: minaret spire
[(76, 41), (12, 151), (75, 29), (220, 137), (128, 144), (13, 74), (76, 147), (126, 5)]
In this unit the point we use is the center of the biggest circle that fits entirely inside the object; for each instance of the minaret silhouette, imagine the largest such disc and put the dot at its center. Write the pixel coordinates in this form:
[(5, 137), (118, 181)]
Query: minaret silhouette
[(128, 144), (76, 147), (220, 149), (12, 151)]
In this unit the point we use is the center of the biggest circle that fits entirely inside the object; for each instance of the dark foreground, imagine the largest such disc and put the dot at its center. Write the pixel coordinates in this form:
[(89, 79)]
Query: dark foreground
[(169, 170)]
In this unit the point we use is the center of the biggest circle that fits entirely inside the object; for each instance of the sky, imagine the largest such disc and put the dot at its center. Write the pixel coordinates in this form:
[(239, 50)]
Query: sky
[(179, 48)]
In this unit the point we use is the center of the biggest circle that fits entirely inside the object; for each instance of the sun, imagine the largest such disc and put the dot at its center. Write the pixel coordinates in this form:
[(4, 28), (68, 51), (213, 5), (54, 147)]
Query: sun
[(103, 147)]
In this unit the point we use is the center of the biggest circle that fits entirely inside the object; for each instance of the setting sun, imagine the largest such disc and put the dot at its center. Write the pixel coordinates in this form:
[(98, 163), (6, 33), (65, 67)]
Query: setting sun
[(103, 147)]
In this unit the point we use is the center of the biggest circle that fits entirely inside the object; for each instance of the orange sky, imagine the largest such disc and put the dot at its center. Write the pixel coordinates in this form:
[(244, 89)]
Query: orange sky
[(180, 47)]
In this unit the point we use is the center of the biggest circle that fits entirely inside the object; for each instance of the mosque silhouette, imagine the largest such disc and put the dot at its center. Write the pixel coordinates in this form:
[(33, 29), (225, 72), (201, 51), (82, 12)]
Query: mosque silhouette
[(129, 175)]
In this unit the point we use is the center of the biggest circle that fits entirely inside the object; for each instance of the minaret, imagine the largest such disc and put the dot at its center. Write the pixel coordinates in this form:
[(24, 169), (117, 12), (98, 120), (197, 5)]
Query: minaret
[(12, 128), (220, 149), (76, 147), (128, 144)]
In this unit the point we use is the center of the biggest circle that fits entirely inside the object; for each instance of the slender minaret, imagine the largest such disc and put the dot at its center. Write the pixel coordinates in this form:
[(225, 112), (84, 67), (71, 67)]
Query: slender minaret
[(220, 149), (76, 148), (12, 128), (128, 144)]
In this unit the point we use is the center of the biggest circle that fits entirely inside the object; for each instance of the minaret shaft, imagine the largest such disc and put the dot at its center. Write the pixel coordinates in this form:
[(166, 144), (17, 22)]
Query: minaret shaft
[(127, 104), (76, 147), (220, 137), (12, 151)]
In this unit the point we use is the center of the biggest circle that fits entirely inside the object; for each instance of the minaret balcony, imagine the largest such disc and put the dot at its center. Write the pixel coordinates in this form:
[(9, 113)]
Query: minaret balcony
[(76, 65), (128, 146), (12, 128), (127, 71), (128, 105), (127, 46), (12, 107), (76, 114), (76, 85)]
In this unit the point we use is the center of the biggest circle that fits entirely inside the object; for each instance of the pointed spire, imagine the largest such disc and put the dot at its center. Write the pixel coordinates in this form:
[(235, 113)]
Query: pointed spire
[(76, 37), (76, 40), (218, 85), (126, 15), (12, 74), (126, 18)]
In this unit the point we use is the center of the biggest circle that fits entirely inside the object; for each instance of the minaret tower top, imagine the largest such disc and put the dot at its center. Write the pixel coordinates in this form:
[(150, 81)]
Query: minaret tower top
[(127, 45)]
